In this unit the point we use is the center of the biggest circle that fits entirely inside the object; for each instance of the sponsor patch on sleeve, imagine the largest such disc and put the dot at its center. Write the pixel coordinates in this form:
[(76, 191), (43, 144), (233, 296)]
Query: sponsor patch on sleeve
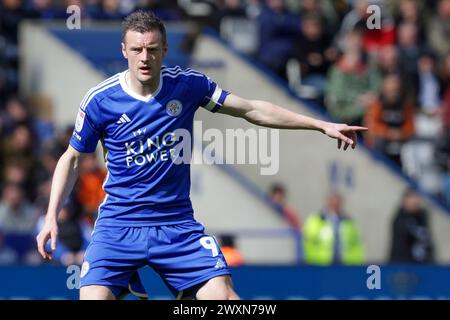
[(80, 120)]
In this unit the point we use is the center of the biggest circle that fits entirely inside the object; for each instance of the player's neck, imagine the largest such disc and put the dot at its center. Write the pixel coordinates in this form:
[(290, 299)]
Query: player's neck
[(142, 89)]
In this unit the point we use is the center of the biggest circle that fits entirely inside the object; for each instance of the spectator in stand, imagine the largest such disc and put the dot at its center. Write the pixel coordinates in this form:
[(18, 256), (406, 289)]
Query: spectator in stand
[(390, 119), (253, 8), (445, 91), (387, 61), (352, 83), (108, 10), (15, 114), (89, 190), (439, 29), (278, 196), (412, 11), (331, 237), (442, 156), (232, 255), (19, 148), (14, 173), (351, 21), (16, 214), (428, 117), (279, 29), (410, 51), (228, 9), (314, 52), (372, 39), (411, 234), (17, 220), (325, 10)]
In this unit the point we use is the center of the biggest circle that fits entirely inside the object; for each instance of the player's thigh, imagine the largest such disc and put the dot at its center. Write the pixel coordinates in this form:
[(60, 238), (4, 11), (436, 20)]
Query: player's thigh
[(218, 288), (186, 257), (95, 292), (112, 258)]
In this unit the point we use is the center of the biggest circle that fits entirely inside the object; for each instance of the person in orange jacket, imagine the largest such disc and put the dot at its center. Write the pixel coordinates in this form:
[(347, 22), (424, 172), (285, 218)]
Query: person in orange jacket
[(390, 119), (232, 255)]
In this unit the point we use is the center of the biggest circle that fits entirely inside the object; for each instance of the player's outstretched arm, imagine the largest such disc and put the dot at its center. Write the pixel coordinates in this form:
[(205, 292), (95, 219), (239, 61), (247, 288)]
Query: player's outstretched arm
[(267, 114), (64, 177)]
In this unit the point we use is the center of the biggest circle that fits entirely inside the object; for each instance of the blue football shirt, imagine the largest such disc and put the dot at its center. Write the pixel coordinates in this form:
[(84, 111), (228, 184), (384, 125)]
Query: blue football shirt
[(144, 186)]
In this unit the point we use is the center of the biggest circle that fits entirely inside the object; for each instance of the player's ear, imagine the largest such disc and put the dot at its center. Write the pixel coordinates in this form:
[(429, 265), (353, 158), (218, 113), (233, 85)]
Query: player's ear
[(124, 52)]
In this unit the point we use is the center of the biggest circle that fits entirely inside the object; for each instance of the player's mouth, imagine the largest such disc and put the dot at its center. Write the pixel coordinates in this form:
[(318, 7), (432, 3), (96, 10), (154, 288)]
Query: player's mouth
[(145, 69)]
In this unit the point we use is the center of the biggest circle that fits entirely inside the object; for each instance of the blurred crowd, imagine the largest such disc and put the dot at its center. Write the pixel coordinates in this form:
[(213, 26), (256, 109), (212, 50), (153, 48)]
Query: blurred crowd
[(391, 74), (330, 236)]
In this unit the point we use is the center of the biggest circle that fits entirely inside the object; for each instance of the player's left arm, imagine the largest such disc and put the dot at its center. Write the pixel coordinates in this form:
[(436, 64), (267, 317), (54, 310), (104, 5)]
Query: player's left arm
[(269, 115)]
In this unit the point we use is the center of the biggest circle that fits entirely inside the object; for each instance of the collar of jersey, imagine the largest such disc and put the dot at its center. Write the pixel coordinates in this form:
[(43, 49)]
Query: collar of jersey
[(135, 95)]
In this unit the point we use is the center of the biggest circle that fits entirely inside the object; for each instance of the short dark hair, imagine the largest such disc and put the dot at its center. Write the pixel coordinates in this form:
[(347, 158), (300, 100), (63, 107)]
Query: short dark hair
[(143, 21), (227, 240), (277, 187)]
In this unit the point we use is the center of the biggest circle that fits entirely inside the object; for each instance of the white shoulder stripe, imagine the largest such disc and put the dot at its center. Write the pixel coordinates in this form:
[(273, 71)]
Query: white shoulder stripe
[(182, 73), (171, 69), (83, 107), (168, 75), (178, 70), (105, 82)]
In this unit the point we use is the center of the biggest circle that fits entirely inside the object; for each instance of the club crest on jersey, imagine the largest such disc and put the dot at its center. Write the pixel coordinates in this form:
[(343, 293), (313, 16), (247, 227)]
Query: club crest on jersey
[(174, 107), (84, 269), (80, 120)]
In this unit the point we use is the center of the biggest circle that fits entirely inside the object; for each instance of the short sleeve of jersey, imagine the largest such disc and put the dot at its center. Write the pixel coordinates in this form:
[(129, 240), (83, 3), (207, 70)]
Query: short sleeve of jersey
[(86, 133), (214, 96)]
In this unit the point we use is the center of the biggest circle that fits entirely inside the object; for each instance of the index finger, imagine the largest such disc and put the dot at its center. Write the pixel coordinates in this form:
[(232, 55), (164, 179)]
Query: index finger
[(357, 128)]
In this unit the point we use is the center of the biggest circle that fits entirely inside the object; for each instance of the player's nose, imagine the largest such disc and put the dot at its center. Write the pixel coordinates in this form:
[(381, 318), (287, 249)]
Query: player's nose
[(144, 55)]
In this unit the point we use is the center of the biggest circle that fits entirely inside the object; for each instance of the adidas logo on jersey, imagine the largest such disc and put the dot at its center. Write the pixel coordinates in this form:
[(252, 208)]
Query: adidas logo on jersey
[(123, 119), (220, 264)]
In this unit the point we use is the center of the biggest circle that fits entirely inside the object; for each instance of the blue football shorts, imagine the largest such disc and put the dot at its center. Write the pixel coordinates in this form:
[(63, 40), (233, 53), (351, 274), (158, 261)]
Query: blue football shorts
[(182, 254)]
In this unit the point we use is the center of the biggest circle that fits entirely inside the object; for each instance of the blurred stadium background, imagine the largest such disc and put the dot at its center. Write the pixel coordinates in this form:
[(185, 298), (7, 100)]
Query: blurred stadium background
[(318, 58)]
